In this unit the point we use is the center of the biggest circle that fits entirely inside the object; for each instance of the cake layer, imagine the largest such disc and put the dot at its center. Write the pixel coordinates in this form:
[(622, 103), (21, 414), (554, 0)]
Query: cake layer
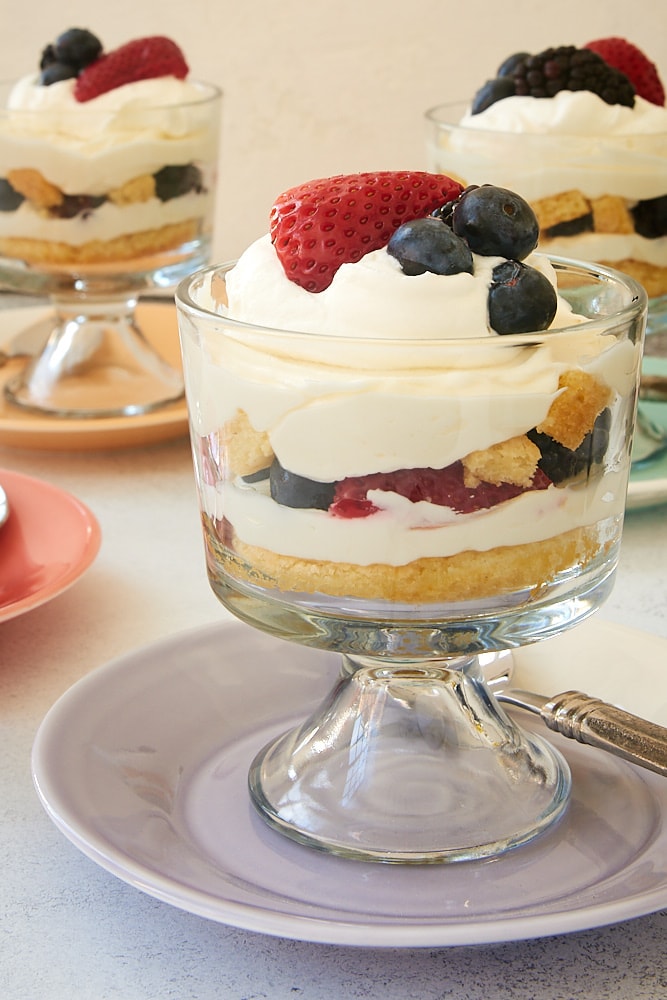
[(127, 247), (465, 576)]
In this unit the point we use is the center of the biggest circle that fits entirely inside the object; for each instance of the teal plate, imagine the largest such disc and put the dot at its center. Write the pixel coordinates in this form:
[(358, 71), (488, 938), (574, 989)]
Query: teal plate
[(648, 483), (648, 479)]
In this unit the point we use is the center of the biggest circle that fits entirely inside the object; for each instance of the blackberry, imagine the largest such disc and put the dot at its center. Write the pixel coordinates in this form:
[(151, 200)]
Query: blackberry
[(569, 68)]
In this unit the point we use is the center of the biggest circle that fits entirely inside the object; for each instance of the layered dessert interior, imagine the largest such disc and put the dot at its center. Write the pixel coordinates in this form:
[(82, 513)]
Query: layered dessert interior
[(105, 156), (582, 134), (403, 407)]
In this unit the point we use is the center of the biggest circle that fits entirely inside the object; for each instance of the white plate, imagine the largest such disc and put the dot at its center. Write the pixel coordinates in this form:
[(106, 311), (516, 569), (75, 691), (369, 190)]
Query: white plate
[(142, 764)]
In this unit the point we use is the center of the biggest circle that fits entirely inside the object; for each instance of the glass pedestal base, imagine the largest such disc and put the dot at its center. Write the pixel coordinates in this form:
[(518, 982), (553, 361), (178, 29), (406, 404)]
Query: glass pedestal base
[(95, 362), (410, 763)]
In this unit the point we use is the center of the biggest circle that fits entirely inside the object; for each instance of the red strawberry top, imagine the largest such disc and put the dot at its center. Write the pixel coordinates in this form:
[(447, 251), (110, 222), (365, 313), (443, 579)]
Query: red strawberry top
[(627, 58), (141, 59), (322, 224)]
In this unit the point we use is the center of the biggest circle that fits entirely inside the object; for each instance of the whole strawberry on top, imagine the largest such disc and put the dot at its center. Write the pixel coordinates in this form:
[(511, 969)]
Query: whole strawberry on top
[(77, 53), (627, 58)]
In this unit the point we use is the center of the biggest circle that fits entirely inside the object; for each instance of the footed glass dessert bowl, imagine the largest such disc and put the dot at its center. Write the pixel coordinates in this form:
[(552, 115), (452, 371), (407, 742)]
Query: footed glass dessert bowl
[(102, 201), (349, 502)]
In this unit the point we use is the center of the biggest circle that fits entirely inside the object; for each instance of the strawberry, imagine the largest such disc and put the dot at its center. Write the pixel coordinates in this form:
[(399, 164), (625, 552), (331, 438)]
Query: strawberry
[(322, 224), (141, 59), (445, 487), (627, 58)]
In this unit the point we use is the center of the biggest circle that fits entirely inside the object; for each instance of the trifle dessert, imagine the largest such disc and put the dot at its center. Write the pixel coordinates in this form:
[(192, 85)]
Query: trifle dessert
[(581, 133), (107, 157), (108, 162), (393, 403)]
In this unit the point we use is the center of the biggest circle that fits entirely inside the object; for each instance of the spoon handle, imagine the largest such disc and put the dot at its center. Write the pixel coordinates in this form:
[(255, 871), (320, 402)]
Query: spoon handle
[(591, 721)]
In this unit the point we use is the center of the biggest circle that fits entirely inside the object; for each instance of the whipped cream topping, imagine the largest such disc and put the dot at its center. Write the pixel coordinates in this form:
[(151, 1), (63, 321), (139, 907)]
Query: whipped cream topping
[(372, 298), (570, 113), (97, 145)]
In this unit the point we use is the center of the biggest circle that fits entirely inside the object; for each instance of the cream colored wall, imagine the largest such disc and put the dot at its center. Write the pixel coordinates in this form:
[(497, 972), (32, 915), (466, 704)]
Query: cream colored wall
[(314, 88)]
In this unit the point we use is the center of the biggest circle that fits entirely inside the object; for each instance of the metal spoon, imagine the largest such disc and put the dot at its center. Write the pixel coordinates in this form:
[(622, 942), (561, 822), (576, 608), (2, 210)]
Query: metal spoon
[(580, 717)]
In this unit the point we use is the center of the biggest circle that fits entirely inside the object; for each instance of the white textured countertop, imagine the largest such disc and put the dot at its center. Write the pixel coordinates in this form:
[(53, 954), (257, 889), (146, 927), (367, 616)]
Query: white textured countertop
[(71, 931)]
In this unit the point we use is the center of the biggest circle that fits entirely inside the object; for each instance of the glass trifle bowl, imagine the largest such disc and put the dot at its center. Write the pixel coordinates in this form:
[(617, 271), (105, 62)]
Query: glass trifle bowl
[(322, 462), (102, 201)]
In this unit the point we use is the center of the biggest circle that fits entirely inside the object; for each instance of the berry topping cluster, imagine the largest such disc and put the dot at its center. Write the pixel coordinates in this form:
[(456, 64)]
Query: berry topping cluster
[(322, 224), (78, 54), (612, 68), (492, 222)]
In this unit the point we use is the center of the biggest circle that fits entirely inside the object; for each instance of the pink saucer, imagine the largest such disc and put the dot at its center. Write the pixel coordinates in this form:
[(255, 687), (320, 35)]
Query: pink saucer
[(49, 539)]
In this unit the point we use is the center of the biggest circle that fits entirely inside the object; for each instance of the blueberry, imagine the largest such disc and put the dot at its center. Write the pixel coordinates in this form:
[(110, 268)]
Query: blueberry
[(48, 57), (492, 91), (9, 198), (257, 477), (521, 299), (650, 217), (77, 204), (560, 463), (429, 245), (55, 72), (172, 182), (77, 47), (508, 66), (291, 490), (495, 222)]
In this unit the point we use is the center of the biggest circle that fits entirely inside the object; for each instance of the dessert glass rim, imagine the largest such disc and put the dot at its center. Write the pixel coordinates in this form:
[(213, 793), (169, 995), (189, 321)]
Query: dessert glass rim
[(209, 92), (637, 301), (447, 114)]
